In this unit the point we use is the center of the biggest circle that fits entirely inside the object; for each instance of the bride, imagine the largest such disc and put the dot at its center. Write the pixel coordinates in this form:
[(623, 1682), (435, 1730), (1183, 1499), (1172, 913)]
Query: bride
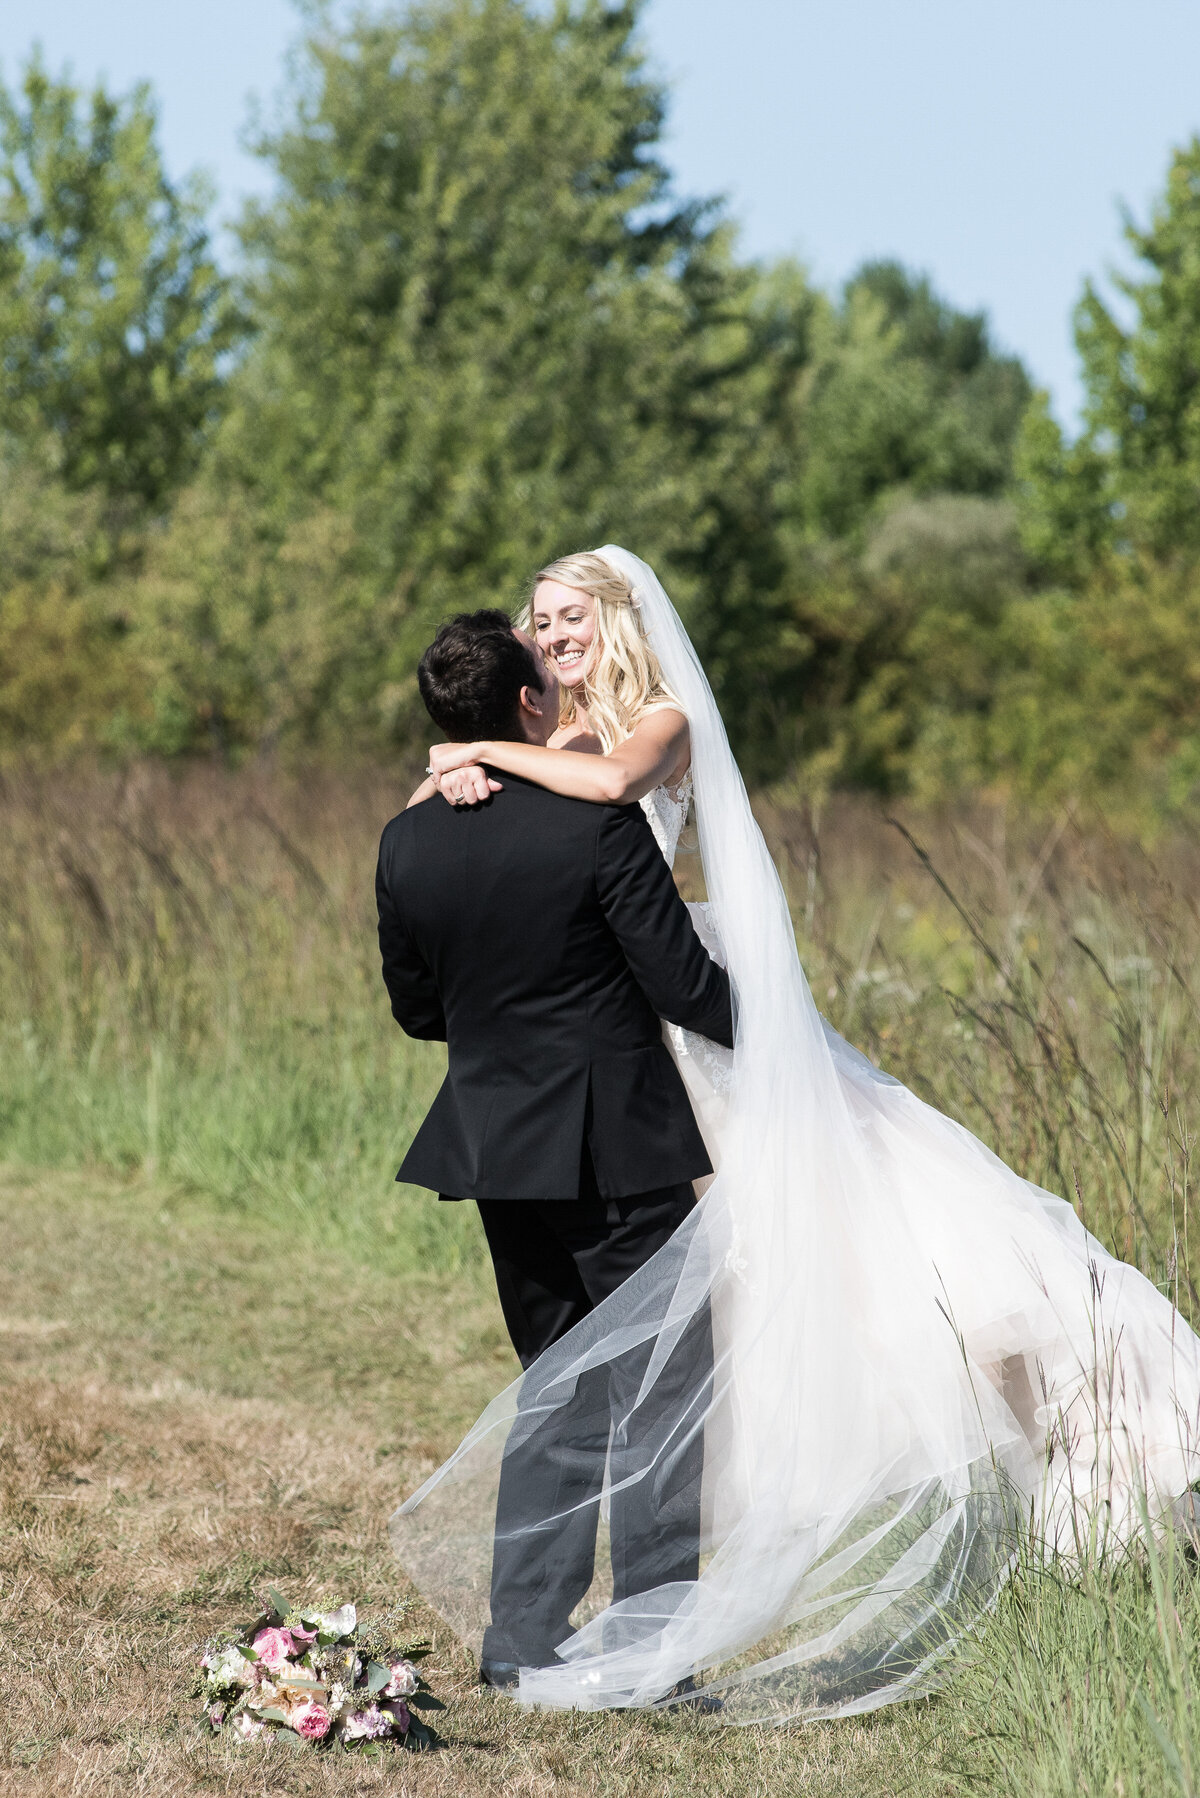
[(918, 1354)]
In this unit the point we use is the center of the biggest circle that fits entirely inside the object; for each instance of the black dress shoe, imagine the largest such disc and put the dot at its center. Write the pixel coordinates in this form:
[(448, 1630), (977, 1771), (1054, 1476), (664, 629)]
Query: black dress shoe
[(685, 1697), (505, 1676)]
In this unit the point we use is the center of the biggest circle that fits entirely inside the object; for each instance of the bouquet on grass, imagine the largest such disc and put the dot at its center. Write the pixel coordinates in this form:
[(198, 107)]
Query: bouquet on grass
[(319, 1676)]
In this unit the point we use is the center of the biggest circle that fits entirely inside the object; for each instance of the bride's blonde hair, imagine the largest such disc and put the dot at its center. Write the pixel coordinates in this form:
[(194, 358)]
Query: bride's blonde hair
[(625, 680)]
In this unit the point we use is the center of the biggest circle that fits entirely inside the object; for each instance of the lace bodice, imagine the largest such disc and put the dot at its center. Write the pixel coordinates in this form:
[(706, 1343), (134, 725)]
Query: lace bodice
[(666, 808)]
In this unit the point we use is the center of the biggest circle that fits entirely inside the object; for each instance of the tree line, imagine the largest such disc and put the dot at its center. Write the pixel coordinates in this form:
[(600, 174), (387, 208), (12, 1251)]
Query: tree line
[(472, 327)]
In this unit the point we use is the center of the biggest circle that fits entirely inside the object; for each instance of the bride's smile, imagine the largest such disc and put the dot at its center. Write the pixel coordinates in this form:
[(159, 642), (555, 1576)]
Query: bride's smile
[(564, 622)]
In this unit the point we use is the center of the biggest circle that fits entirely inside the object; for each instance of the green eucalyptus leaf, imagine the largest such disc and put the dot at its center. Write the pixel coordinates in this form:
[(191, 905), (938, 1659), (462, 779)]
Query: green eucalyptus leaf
[(278, 1601), (377, 1677)]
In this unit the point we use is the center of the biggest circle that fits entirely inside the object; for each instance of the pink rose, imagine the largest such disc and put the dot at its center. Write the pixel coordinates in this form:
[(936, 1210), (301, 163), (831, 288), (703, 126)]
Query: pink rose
[(273, 1647), (310, 1720)]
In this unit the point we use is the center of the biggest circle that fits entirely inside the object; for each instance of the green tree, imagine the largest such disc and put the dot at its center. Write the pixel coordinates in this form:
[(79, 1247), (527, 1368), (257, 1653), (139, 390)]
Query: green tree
[(1100, 697), (905, 391), (113, 317), (882, 665), (865, 603), (1104, 697), (1131, 481), (1064, 500), (486, 332), (252, 636), (67, 673)]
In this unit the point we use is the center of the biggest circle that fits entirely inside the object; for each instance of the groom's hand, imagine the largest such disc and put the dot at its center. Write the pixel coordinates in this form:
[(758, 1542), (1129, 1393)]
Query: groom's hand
[(455, 771)]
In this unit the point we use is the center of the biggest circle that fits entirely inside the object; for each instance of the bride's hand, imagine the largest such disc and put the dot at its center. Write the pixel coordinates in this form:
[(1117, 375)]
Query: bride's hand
[(455, 771)]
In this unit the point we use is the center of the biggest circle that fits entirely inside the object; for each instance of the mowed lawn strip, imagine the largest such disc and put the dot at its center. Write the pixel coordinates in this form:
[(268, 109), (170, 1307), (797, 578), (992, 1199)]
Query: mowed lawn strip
[(195, 1402)]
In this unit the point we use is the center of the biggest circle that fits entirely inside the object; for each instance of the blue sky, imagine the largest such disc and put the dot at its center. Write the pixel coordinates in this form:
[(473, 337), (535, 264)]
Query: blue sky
[(989, 145)]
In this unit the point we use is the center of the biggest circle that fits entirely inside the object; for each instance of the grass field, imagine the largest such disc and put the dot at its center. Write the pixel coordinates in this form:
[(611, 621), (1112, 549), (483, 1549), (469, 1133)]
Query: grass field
[(230, 1343)]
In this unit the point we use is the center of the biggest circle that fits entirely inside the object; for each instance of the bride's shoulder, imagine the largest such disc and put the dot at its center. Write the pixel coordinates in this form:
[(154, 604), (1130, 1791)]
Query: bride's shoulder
[(573, 736), (666, 722)]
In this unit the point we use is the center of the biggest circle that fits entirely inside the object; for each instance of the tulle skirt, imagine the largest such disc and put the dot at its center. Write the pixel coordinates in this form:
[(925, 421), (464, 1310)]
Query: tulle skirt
[(916, 1355)]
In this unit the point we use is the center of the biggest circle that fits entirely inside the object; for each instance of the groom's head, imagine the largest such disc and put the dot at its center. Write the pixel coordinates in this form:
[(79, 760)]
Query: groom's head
[(481, 678)]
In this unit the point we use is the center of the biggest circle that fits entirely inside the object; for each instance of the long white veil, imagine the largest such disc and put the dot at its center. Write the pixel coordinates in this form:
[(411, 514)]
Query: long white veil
[(916, 1353)]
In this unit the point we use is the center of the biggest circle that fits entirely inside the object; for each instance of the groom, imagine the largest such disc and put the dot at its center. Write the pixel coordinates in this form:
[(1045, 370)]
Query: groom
[(543, 940)]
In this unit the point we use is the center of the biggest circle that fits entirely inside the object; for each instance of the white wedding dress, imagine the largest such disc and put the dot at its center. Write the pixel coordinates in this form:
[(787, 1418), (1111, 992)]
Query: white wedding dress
[(917, 1353)]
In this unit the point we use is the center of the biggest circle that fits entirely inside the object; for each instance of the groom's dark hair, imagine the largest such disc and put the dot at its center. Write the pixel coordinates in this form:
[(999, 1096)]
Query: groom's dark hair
[(472, 674)]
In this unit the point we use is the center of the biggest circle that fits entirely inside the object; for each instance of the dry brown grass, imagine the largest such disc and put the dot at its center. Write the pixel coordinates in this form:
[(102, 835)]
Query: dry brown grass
[(139, 1513), (132, 1520)]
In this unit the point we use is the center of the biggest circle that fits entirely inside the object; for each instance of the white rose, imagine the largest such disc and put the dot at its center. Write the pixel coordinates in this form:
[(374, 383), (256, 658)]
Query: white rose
[(230, 1668), (342, 1622), (403, 1682)]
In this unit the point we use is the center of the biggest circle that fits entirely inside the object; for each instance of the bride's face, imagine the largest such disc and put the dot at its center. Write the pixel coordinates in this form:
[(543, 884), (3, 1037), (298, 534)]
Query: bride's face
[(564, 623)]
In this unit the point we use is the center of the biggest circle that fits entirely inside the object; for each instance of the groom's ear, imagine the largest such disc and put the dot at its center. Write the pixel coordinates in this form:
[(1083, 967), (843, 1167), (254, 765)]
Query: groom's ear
[(539, 719)]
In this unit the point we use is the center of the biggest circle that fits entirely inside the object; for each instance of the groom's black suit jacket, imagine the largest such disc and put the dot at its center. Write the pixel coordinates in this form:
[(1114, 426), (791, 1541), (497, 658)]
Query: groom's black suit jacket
[(543, 939)]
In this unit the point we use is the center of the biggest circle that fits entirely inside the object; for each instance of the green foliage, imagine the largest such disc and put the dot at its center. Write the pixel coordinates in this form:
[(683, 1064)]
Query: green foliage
[(66, 671), (1132, 482), (892, 406), (113, 317), (482, 331), (902, 391), (881, 661), (114, 323), (1086, 1681), (485, 332), (486, 335), (1101, 693), (1065, 509), (1143, 383), (251, 630)]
